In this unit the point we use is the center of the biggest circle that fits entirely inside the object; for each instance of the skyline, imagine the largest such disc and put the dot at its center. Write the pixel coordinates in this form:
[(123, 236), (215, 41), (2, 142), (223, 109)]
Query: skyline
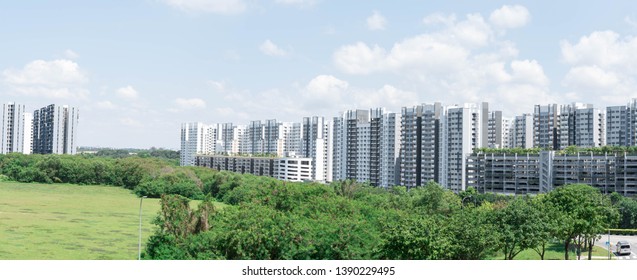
[(137, 70)]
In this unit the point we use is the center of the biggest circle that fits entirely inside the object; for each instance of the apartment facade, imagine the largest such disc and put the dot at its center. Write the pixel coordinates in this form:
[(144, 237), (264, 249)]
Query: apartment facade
[(16, 129), (55, 130)]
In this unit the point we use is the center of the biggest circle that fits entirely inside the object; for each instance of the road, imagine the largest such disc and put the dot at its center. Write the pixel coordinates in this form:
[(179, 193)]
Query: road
[(632, 239)]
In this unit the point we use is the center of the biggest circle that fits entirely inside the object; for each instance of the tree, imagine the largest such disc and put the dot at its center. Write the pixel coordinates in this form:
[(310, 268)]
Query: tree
[(474, 235), (518, 224), (586, 214), (548, 221)]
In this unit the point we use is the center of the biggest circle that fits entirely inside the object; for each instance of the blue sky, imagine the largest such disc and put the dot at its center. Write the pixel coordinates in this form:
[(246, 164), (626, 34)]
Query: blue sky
[(138, 69)]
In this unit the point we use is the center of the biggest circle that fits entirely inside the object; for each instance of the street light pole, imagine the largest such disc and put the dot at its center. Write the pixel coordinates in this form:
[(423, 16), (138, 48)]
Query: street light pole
[(139, 247)]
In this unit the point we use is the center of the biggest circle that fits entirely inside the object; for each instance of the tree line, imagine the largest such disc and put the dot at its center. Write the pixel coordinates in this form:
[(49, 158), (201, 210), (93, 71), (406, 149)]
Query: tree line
[(271, 219)]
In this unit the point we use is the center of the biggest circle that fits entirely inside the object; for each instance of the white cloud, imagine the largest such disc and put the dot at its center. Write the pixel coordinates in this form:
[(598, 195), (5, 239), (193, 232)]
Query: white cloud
[(376, 21), (509, 17), (57, 79), (190, 103), (326, 84), (602, 67), (269, 48), (208, 6), (528, 71), (387, 96), (70, 54), (590, 77), (456, 60), (46, 73), (127, 92)]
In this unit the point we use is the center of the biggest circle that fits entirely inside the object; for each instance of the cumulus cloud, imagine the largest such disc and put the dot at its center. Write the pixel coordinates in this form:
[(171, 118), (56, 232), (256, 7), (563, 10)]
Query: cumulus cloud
[(387, 96), (324, 89), (190, 103), (458, 59), (602, 66), (376, 21), (509, 17), (208, 6), (269, 48), (127, 92), (58, 79)]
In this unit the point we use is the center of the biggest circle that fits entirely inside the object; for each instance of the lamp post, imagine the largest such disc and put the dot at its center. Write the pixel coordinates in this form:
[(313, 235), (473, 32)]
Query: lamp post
[(139, 248)]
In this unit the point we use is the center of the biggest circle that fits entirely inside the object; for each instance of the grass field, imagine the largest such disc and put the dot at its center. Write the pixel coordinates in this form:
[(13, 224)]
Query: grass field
[(555, 252), (69, 222)]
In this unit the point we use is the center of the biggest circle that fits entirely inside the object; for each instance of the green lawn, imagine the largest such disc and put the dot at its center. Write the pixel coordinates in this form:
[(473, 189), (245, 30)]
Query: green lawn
[(555, 252), (70, 222)]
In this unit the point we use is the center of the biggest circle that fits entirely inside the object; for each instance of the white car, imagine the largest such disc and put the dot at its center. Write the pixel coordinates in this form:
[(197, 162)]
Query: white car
[(622, 248)]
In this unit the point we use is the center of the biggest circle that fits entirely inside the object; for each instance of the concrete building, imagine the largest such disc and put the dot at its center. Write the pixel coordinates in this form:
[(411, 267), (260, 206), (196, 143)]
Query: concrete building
[(522, 132), (15, 129), (55, 130), (496, 130), (621, 124), (504, 173), (465, 128), (546, 127), (507, 132), (581, 125), (315, 145), (541, 172), (27, 141), (420, 140), (293, 169), (259, 166), (196, 139), (389, 150)]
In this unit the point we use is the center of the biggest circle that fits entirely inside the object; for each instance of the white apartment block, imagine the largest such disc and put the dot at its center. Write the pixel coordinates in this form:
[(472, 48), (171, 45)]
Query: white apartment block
[(546, 126), (621, 124), (16, 129), (507, 132), (315, 139), (27, 141), (194, 138), (389, 150), (465, 128), (522, 132), (496, 131), (420, 142), (293, 169), (55, 130)]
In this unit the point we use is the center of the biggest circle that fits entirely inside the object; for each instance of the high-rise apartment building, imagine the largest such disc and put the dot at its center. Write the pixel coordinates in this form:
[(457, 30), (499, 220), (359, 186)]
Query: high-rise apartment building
[(55, 130), (522, 132), (194, 140), (315, 145), (546, 126), (420, 141), (496, 130), (581, 125), (621, 124), (389, 150), (16, 130), (465, 128)]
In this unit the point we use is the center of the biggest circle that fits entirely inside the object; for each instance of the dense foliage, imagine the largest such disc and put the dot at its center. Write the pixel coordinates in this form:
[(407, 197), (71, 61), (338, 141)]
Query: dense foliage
[(271, 219)]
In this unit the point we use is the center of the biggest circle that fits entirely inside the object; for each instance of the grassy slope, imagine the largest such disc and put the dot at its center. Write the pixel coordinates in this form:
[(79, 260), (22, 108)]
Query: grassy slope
[(554, 252), (59, 221)]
